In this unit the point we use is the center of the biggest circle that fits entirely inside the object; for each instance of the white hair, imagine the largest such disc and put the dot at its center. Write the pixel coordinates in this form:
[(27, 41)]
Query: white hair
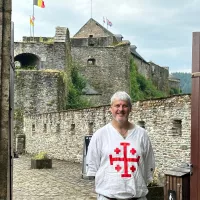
[(121, 95)]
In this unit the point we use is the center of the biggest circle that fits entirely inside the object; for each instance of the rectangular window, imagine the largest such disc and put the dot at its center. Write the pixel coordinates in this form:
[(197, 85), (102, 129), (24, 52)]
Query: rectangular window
[(58, 128), (177, 127), (90, 127), (72, 129), (45, 128), (33, 128)]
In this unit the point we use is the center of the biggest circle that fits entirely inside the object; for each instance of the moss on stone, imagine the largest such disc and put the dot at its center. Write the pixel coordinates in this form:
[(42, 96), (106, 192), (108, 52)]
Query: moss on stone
[(19, 119), (50, 103)]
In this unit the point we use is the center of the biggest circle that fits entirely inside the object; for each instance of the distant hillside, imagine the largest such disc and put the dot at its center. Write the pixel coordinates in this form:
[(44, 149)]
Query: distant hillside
[(185, 80)]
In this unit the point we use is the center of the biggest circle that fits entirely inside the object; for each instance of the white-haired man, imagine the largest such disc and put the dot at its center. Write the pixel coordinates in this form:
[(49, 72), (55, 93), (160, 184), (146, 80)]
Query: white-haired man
[(120, 155)]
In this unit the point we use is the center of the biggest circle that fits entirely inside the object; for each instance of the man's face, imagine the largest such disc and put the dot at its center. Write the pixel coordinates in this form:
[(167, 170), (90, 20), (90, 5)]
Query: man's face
[(120, 110)]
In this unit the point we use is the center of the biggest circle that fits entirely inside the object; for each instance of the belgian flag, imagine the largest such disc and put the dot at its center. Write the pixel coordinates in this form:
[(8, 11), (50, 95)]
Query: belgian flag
[(39, 3), (31, 21)]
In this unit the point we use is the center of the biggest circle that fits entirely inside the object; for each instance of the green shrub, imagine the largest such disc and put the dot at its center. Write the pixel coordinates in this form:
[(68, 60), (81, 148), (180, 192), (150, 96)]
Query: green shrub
[(75, 87), (40, 156), (140, 87), (26, 67), (175, 91)]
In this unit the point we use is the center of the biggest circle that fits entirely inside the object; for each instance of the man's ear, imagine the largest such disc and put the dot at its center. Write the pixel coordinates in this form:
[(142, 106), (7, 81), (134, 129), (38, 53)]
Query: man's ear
[(110, 109)]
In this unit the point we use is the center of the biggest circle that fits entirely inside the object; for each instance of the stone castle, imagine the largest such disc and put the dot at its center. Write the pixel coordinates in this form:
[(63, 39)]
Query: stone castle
[(61, 134), (104, 60)]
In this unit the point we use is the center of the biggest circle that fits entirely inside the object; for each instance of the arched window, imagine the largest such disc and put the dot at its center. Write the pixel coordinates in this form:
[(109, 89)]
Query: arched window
[(27, 61)]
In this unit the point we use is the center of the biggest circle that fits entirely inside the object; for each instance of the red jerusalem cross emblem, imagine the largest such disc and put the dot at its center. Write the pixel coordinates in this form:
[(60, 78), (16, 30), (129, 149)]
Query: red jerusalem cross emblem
[(124, 159)]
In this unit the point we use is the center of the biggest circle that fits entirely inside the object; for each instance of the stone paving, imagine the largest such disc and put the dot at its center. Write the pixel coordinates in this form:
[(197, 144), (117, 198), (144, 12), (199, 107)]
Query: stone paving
[(62, 182)]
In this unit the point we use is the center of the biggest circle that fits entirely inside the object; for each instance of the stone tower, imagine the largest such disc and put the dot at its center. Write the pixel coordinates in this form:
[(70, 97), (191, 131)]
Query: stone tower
[(103, 60)]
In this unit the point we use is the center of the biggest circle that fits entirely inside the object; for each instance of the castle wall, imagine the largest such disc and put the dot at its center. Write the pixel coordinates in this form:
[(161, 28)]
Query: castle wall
[(160, 77), (61, 134), (59, 55), (51, 56), (100, 41), (143, 67), (36, 92), (44, 52), (108, 73)]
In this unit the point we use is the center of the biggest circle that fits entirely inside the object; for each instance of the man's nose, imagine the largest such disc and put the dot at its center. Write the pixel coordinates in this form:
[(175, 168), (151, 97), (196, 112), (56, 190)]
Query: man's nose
[(120, 107)]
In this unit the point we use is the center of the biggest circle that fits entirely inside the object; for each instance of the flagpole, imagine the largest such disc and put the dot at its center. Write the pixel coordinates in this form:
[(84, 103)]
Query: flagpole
[(30, 24), (33, 21), (91, 8), (107, 22)]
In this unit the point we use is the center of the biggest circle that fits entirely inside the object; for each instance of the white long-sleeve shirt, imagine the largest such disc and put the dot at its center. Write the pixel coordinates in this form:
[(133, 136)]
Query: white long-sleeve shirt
[(122, 167)]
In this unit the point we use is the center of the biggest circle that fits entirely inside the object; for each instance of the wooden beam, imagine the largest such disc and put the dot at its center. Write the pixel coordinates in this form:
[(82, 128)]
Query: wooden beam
[(5, 38), (195, 119)]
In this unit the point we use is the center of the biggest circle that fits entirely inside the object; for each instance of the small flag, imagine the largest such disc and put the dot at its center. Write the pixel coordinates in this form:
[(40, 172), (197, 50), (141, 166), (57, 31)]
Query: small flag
[(109, 22), (31, 21), (104, 20), (39, 3)]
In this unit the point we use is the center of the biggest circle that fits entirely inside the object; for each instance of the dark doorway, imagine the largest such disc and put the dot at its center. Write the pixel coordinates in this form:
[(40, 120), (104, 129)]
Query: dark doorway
[(27, 61)]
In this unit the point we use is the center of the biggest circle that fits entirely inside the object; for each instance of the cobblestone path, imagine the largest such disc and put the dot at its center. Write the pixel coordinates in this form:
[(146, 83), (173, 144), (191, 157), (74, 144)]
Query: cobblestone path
[(62, 182)]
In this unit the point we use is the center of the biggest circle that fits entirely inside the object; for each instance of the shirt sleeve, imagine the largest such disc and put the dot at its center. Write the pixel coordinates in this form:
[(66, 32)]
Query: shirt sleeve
[(93, 156), (149, 159)]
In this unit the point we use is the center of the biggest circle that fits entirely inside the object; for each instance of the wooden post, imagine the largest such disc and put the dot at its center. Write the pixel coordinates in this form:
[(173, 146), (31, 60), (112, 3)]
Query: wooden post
[(195, 119), (5, 58)]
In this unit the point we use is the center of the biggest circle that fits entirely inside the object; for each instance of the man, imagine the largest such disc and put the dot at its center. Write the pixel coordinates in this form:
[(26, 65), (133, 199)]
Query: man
[(120, 155)]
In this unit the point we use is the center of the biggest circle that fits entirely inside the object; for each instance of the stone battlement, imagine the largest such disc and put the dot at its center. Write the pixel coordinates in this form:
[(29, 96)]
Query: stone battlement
[(38, 39)]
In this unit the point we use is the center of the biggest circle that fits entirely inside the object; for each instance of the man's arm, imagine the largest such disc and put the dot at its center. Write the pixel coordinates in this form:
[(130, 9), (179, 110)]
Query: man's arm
[(149, 160), (93, 156)]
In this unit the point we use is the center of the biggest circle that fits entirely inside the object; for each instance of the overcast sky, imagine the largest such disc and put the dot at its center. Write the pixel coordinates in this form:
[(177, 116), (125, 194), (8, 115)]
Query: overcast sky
[(161, 29)]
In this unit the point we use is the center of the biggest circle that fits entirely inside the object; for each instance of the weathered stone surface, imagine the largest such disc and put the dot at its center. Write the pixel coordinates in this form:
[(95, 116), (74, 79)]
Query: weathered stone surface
[(111, 68), (36, 92), (66, 143), (110, 72)]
